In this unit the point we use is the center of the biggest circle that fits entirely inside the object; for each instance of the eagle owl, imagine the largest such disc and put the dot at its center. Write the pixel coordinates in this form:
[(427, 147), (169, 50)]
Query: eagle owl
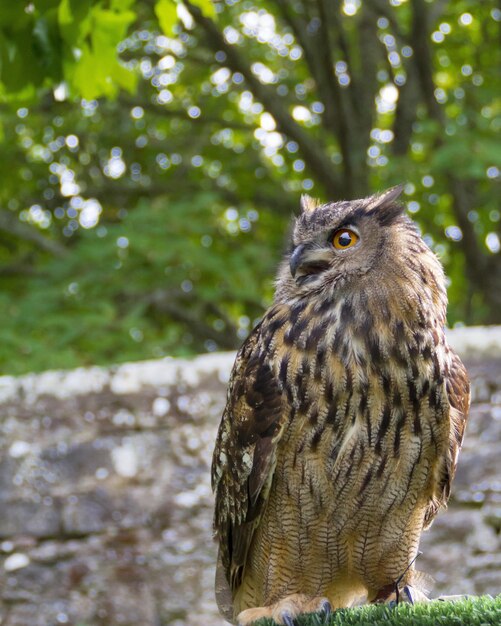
[(345, 415)]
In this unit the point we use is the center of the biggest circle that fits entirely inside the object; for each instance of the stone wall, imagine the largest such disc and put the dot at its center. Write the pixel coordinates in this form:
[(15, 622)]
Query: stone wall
[(105, 502)]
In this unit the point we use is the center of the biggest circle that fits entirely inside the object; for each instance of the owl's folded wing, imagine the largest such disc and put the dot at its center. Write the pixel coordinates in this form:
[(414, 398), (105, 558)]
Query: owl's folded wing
[(245, 455), (457, 386)]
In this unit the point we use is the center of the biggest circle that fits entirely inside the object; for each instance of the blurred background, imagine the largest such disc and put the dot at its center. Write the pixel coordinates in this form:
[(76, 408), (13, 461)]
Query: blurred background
[(152, 154)]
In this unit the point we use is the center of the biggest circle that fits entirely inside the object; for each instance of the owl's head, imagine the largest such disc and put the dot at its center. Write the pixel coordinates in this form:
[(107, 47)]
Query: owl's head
[(367, 244)]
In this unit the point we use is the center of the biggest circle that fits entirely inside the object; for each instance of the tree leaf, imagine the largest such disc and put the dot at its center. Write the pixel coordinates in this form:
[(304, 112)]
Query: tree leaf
[(98, 72), (74, 20), (206, 6), (166, 12)]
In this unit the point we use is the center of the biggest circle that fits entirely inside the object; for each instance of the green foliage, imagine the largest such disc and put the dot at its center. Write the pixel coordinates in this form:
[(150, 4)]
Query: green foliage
[(94, 70), (108, 300), (187, 131), (481, 611), (74, 41), (166, 12)]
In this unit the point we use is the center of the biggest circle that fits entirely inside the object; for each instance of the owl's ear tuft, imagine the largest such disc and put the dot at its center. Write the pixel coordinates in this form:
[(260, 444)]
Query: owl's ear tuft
[(308, 203), (386, 197), (385, 206)]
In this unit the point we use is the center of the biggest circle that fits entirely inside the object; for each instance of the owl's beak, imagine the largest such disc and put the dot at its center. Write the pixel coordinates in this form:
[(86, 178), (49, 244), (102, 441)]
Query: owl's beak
[(295, 260)]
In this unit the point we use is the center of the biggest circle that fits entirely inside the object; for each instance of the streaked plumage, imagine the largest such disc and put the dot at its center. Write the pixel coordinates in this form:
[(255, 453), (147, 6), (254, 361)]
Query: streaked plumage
[(345, 415)]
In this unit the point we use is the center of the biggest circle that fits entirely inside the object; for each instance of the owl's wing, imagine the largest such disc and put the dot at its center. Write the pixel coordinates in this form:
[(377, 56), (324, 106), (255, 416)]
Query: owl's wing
[(245, 455), (457, 387)]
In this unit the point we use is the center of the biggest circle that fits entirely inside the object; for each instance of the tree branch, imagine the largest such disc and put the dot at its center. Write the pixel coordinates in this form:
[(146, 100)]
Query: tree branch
[(382, 8), (299, 27), (166, 111), (336, 108), (314, 155), (406, 109), (422, 59), (10, 223), (162, 301), (370, 54), (482, 270), (317, 48), (340, 35), (22, 268), (405, 114)]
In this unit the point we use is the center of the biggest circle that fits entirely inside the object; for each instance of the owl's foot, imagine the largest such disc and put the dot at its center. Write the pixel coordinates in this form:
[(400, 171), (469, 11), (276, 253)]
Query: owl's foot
[(285, 611)]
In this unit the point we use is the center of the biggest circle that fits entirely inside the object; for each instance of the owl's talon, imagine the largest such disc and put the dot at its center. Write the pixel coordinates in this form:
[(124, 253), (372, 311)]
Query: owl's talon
[(287, 619), (408, 591), (325, 608)]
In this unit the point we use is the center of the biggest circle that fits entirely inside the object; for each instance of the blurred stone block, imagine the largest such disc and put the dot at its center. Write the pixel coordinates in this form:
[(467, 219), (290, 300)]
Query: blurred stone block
[(25, 517)]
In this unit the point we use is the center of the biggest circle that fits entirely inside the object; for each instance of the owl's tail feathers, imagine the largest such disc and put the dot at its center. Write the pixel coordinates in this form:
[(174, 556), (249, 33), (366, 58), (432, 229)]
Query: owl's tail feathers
[(224, 597), (422, 581)]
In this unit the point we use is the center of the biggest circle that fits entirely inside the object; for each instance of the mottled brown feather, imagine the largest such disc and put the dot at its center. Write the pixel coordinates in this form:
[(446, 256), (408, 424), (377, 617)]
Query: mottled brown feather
[(457, 386), (244, 455)]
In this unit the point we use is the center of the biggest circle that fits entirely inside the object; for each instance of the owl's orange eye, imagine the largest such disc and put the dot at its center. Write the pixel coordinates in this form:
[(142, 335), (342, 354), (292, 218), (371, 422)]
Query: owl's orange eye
[(344, 238)]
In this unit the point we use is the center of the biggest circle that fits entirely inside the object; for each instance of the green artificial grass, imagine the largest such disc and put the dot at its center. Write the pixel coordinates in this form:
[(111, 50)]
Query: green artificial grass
[(474, 611)]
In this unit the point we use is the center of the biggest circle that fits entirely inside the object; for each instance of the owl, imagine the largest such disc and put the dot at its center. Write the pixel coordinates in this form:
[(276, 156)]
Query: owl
[(345, 415)]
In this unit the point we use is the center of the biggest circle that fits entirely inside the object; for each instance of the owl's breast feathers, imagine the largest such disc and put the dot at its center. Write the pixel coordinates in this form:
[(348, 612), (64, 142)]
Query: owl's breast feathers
[(372, 398)]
